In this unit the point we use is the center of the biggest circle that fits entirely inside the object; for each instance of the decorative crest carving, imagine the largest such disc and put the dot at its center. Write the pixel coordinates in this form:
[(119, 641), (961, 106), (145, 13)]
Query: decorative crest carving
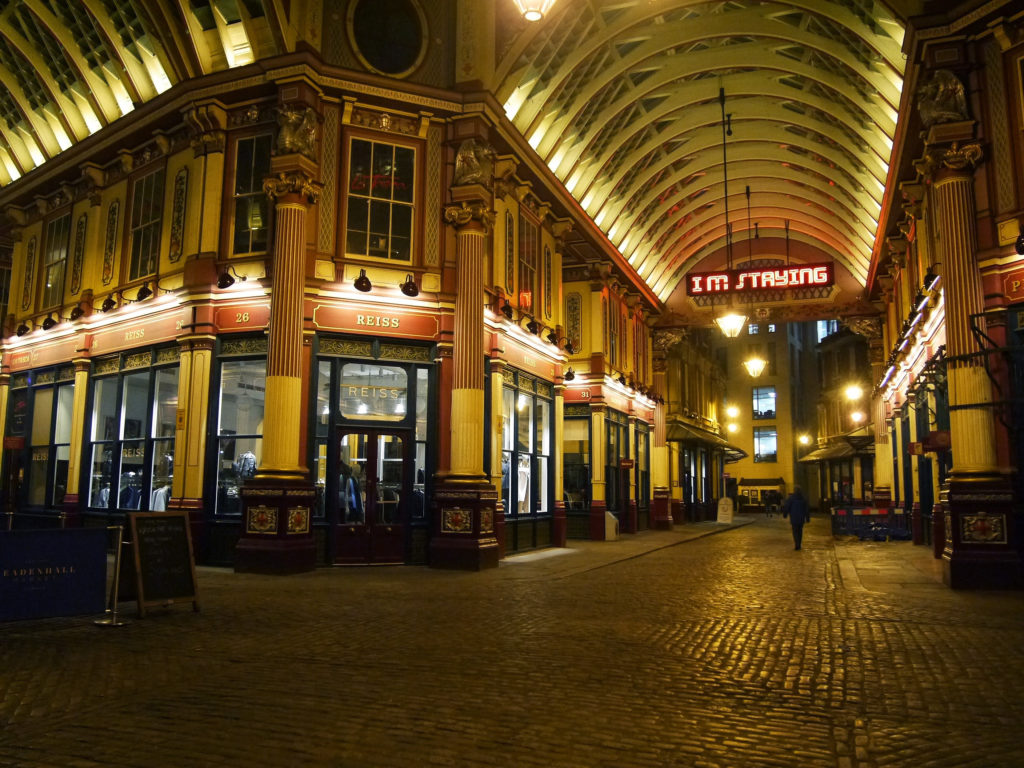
[(474, 163), (942, 99), (868, 327), (666, 338), (297, 131)]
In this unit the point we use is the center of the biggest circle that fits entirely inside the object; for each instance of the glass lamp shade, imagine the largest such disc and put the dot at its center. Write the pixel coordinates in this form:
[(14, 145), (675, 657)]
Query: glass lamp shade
[(731, 324), (755, 366), (534, 10)]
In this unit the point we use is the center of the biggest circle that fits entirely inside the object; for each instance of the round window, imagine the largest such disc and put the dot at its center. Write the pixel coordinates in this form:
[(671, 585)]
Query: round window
[(388, 35)]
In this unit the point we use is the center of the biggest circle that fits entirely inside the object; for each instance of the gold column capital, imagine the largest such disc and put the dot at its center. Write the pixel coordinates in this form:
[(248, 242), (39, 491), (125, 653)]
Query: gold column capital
[(292, 183), (461, 214), (954, 157)]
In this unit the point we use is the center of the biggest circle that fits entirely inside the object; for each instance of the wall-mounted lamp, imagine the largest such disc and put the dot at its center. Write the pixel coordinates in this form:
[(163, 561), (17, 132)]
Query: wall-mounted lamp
[(49, 322), (506, 310), (621, 380), (76, 312), (108, 303), (362, 283), (930, 278), (144, 292), (409, 287), (22, 329), (225, 279), (552, 338), (534, 327), (1019, 245), (570, 374)]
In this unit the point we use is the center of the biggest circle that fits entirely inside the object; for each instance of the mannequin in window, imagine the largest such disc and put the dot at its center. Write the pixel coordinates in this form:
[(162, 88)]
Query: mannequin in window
[(524, 485), (246, 464)]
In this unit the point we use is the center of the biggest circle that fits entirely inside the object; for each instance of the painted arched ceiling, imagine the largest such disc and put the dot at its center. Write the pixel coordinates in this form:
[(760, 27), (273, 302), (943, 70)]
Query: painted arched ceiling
[(69, 68), (623, 100)]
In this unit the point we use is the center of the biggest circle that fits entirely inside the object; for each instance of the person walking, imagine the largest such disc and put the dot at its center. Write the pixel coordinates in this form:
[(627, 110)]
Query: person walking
[(795, 507)]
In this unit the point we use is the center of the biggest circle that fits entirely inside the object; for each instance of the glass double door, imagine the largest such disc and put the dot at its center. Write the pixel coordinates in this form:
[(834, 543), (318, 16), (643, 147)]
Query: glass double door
[(373, 488)]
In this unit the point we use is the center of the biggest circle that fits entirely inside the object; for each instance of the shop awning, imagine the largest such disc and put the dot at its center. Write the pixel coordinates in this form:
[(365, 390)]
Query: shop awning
[(679, 432), (762, 482), (840, 450)]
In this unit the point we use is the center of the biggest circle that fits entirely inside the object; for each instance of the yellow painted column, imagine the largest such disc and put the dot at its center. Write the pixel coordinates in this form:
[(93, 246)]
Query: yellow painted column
[(472, 221), (971, 428), (194, 373), (293, 192), (980, 523), (467, 523), (560, 532), (78, 420), (277, 503)]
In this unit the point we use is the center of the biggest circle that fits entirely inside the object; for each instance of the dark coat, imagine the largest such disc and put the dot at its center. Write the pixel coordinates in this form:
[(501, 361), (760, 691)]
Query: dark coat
[(795, 507)]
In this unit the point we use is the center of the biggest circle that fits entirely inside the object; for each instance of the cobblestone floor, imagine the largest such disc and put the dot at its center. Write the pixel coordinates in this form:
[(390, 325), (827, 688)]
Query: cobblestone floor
[(726, 650)]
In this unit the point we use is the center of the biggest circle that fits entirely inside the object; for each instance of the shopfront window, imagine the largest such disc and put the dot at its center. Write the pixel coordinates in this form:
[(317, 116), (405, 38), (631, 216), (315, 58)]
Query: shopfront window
[(50, 449), (526, 450), (132, 439), (357, 401), (643, 467), (239, 429), (616, 449), (576, 462)]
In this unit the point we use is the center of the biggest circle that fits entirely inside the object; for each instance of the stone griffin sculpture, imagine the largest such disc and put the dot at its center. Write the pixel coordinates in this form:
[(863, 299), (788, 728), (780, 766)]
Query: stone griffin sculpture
[(942, 99), (474, 163), (296, 131)]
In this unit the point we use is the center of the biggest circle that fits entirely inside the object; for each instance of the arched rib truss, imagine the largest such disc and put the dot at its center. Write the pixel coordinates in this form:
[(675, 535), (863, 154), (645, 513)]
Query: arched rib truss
[(620, 99), (71, 67)]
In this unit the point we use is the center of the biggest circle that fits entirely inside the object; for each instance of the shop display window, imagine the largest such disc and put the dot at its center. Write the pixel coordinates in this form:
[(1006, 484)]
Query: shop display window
[(373, 396), (131, 434), (240, 414), (576, 461), (526, 453), (49, 445)]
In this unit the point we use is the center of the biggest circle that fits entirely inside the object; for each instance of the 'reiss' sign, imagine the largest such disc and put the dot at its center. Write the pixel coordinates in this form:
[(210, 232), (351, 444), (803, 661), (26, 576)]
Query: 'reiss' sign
[(759, 279)]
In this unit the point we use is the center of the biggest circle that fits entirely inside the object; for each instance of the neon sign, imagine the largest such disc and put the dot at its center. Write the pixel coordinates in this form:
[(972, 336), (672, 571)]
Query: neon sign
[(760, 279)]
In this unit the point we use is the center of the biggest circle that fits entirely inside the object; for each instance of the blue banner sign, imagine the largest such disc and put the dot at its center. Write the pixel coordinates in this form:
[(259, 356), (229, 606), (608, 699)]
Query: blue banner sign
[(52, 573)]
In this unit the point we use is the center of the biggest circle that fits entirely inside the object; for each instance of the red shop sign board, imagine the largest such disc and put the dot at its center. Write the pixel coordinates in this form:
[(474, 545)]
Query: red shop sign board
[(43, 354), (242, 317), (141, 333), (1013, 284), (526, 359), (376, 321)]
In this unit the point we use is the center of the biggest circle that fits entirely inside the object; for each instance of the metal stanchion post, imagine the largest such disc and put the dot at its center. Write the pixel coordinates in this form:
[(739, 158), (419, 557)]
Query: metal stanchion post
[(111, 620)]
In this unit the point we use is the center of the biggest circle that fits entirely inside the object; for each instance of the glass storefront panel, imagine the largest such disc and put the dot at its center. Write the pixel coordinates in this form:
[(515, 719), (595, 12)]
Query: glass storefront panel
[(132, 434), (576, 456), (526, 443), (38, 476), (239, 429)]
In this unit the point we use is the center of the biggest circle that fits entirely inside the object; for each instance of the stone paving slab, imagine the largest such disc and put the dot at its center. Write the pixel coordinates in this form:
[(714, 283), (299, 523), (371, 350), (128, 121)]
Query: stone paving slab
[(663, 649)]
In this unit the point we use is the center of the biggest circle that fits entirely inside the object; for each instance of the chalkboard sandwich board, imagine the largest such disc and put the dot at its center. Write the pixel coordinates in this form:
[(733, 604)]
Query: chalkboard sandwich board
[(164, 568)]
